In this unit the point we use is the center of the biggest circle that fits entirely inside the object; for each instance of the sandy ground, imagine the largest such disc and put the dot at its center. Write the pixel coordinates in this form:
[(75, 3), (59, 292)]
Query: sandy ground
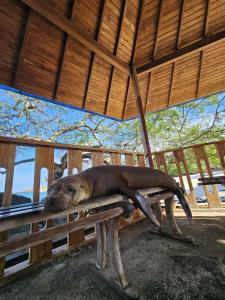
[(161, 268)]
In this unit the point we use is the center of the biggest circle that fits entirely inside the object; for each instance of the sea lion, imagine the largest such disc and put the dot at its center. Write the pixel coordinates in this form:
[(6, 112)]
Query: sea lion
[(107, 180)]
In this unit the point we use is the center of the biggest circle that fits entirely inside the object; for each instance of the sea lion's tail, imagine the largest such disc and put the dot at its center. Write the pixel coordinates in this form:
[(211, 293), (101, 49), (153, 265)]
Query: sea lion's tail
[(180, 195)]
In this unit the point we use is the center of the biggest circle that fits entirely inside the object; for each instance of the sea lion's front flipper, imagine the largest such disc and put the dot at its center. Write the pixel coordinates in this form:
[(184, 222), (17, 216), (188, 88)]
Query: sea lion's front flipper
[(140, 202)]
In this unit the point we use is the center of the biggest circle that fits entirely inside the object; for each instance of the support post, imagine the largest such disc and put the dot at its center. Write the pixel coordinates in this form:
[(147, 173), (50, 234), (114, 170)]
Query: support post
[(140, 111)]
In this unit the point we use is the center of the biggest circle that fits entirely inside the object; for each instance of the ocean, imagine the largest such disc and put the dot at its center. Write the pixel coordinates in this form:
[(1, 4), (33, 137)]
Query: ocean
[(30, 194)]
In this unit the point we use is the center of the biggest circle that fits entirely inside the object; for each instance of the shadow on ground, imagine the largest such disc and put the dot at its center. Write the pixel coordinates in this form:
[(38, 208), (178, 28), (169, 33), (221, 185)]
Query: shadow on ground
[(160, 267)]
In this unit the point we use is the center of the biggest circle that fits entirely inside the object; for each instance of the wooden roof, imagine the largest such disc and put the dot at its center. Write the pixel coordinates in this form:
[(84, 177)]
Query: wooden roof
[(80, 52)]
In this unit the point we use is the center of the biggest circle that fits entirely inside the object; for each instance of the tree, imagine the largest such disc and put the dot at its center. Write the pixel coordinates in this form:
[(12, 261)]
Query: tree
[(195, 122)]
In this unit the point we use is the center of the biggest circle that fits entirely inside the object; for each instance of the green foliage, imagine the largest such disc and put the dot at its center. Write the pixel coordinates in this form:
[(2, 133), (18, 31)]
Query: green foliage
[(196, 122)]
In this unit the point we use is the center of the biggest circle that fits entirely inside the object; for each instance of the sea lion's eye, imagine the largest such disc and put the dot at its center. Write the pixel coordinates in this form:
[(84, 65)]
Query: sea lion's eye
[(71, 189)]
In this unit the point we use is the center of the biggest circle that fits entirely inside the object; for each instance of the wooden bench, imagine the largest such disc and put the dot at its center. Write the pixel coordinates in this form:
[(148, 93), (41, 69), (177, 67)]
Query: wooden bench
[(107, 214)]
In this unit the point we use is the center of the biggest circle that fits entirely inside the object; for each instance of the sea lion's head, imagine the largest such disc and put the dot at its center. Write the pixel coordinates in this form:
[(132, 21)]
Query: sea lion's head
[(65, 193)]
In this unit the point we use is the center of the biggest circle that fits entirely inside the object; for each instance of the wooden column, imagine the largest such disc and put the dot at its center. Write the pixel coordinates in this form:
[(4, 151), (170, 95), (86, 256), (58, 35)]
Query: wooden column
[(140, 111), (44, 158), (77, 237), (7, 161)]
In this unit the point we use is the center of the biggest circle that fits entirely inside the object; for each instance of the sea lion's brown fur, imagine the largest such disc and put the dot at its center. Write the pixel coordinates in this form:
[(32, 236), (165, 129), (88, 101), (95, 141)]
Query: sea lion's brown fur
[(106, 180)]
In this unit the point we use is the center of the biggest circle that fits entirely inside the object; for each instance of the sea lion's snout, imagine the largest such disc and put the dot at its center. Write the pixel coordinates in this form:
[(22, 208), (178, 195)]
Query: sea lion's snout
[(63, 194)]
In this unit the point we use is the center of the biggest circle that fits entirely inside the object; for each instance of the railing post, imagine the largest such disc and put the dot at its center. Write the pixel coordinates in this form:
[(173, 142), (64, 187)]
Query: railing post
[(7, 161), (44, 158), (141, 116), (75, 238)]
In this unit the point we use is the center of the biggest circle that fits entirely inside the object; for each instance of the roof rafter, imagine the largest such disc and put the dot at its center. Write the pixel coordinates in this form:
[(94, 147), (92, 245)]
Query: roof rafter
[(157, 29), (64, 50), (138, 27), (205, 33), (182, 52), (93, 58), (75, 30), (125, 4), (177, 47), (22, 47)]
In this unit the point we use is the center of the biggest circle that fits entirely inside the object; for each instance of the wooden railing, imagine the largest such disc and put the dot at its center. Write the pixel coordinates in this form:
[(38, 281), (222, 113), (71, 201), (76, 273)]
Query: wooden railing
[(44, 158), (204, 165)]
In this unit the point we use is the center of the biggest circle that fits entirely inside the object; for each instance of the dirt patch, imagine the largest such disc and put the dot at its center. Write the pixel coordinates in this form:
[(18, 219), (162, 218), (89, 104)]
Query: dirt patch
[(159, 267)]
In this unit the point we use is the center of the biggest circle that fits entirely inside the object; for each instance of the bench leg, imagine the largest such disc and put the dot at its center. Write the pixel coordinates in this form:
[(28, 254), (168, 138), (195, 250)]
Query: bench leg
[(102, 251), (109, 238), (158, 213), (170, 217), (176, 232), (114, 250)]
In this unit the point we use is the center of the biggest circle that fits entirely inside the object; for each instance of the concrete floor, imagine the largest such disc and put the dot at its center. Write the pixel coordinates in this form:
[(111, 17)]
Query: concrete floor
[(161, 268)]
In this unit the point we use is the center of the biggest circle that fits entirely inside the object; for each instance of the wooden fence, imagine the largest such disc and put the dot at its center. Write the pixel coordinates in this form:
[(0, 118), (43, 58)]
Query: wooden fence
[(44, 158)]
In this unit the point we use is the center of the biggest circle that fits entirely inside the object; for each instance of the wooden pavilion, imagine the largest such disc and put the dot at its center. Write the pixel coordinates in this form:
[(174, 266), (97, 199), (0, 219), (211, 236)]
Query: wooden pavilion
[(117, 58)]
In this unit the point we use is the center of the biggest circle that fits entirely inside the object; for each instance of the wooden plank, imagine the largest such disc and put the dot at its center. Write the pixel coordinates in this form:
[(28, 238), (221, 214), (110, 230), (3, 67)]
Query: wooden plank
[(161, 162), (157, 29), (138, 28), (148, 93), (126, 97), (115, 158), (180, 159), (205, 32), (141, 160), (117, 266), (171, 83), (30, 142), (102, 249), (93, 58), (118, 41), (180, 23), (141, 117), (220, 147), (182, 52), (97, 158), (201, 155), (44, 158), (75, 238), (7, 161), (62, 60), (21, 52), (129, 159), (57, 231), (92, 203), (73, 28)]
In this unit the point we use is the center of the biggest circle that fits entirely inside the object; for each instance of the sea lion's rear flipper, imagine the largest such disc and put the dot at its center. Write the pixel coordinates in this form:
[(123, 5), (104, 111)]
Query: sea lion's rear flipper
[(140, 202)]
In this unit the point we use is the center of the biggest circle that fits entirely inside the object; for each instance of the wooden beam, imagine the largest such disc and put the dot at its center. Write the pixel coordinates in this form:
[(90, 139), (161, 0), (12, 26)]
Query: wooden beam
[(180, 23), (126, 97), (177, 47), (205, 33), (43, 8), (93, 57), (171, 83), (57, 231), (22, 47), (143, 126), (157, 29), (121, 23), (149, 92), (62, 59), (134, 50), (182, 52), (206, 23)]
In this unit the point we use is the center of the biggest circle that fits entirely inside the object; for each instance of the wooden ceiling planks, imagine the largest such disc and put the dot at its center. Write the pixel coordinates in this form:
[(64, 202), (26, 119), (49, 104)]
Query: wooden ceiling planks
[(179, 46)]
